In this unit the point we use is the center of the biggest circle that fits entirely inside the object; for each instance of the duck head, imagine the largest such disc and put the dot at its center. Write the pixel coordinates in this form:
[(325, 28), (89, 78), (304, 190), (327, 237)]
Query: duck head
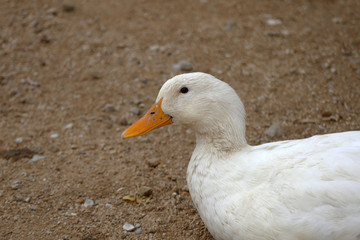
[(200, 101)]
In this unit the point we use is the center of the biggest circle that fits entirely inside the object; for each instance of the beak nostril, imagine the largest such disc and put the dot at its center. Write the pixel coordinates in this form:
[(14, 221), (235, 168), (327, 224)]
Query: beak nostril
[(152, 113)]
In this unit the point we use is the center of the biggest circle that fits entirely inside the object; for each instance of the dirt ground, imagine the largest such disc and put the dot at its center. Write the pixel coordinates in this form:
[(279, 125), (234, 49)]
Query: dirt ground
[(75, 74)]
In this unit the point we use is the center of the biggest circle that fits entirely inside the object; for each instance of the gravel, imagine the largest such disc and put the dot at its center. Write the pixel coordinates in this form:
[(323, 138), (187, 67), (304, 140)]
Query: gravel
[(95, 76), (153, 162), (36, 158), (54, 148), (184, 66), (153, 230), (88, 203), (16, 185), (273, 22), (19, 140), (33, 207), (109, 108), (230, 25), (272, 33), (135, 110), (68, 7), (68, 126), (129, 227), (274, 130), (145, 191), (54, 135), (37, 149), (124, 122), (52, 11)]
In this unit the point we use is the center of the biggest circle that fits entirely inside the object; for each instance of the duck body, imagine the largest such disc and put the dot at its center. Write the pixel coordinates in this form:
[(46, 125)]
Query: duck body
[(298, 189), (306, 189)]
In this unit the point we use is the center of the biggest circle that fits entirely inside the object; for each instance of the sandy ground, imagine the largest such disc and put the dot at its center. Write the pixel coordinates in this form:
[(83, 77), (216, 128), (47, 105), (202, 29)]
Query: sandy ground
[(75, 74)]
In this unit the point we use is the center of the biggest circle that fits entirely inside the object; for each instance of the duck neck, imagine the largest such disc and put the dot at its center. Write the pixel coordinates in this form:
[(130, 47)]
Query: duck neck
[(226, 138)]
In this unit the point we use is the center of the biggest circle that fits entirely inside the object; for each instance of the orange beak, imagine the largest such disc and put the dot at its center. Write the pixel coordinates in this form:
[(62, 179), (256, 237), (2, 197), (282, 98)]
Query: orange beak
[(154, 118)]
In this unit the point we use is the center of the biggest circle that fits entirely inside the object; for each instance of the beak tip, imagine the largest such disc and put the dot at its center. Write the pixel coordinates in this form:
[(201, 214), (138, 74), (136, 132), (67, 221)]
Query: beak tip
[(123, 135)]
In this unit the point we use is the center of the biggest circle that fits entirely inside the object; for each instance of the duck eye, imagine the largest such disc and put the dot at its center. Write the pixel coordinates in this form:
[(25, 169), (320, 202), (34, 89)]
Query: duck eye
[(184, 90)]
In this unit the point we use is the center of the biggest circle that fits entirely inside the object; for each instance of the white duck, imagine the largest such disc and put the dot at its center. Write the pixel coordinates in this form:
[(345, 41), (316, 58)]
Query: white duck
[(298, 189)]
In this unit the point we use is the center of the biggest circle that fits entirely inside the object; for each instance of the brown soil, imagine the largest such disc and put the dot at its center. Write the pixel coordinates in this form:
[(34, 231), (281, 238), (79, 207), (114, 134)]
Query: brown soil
[(71, 80)]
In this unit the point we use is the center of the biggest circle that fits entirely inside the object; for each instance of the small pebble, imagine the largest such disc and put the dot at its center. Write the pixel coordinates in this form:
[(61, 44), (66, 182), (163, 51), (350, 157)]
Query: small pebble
[(138, 231), (68, 126), (326, 65), (54, 148), (54, 135), (274, 130), (52, 11), (346, 52), (157, 48), (184, 194), (124, 121), (109, 108), (145, 191), (95, 76), (15, 186), (36, 158), (302, 71), (336, 20), (37, 149), (18, 198), (154, 48), (19, 140), (135, 111), (285, 32), (184, 66), (27, 200), (185, 188), (326, 114), (230, 25), (272, 33), (68, 7), (273, 22), (35, 84), (44, 39), (138, 225), (153, 162), (80, 200), (88, 203), (129, 227), (153, 230), (33, 208), (108, 205)]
